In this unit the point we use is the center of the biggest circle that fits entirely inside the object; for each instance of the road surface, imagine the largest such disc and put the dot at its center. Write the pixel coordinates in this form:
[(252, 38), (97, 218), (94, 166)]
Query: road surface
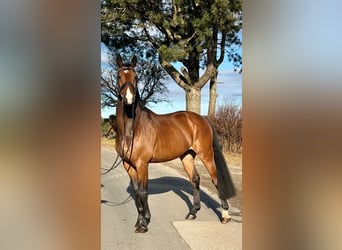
[(170, 196)]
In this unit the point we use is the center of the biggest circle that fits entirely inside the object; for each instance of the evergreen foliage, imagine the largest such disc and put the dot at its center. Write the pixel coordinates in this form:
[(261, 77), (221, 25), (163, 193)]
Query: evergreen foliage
[(196, 33)]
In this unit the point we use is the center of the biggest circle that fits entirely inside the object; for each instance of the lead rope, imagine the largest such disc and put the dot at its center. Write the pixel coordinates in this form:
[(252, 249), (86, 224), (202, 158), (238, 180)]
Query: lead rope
[(115, 165), (116, 162), (130, 147)]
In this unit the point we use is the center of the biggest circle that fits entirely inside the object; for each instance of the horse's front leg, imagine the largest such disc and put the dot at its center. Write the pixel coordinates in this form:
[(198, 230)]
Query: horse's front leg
[(138, 203), (139, 179), (142, 195), (144, 215)]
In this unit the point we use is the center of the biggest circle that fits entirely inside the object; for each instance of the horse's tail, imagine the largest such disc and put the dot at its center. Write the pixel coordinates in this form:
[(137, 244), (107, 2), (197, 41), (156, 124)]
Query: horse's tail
[(225, 183)]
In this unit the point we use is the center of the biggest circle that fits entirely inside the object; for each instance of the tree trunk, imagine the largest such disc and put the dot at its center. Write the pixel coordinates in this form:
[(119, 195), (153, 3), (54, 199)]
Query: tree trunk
[(212, 95), (193, 100), (192, 88)]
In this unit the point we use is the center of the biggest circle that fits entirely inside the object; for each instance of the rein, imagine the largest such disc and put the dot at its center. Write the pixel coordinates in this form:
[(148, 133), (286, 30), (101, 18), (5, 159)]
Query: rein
[(131, 134), (115, 165), (117, 161)]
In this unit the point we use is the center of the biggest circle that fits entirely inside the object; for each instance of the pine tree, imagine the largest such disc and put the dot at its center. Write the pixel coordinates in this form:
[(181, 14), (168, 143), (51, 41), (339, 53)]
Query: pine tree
[(196, 33)]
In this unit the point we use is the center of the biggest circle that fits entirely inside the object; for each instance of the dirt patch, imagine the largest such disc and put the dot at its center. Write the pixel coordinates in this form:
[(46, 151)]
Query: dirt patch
[(110, 143)]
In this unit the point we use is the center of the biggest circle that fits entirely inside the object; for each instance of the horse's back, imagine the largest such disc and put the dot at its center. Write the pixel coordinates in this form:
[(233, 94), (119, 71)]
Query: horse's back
[(185, 121)]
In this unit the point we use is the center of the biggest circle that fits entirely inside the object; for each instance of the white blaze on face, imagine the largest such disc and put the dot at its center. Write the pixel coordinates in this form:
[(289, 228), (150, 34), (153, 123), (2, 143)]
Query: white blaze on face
[(129, 96)]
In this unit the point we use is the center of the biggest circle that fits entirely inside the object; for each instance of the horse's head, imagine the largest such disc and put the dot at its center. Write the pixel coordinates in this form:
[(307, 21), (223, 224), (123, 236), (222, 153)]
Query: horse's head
[(127, 80)]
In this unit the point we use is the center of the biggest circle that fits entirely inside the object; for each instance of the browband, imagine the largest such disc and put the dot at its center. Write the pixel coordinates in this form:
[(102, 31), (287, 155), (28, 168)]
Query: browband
[(126, 68)]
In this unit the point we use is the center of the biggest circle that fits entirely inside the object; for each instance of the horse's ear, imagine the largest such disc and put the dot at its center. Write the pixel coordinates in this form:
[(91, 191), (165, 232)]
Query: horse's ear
[(119, 61), (134, 61)]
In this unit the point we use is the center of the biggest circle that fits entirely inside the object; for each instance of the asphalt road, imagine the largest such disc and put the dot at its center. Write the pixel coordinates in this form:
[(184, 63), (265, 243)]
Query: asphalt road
[(170, 196)]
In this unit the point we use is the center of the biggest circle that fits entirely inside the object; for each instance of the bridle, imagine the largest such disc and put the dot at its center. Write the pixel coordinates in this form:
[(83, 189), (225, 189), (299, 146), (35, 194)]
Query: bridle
[(126, 68), (124, 86), (135, 89), (117, 161)]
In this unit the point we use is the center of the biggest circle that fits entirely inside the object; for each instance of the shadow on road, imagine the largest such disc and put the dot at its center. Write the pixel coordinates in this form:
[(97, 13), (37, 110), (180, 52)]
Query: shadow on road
[(180, 187)]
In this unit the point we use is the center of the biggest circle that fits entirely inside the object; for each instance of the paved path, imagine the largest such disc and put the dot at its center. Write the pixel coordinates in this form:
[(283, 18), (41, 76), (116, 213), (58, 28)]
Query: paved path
[(170, 196)]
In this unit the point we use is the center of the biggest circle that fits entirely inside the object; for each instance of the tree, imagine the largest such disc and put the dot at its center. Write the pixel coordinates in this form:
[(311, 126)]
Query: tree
[(151, 82), (229, 45), (187, 31)]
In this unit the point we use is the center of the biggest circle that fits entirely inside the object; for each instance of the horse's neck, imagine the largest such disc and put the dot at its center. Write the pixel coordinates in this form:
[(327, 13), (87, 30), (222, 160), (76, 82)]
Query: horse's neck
[(126, 115)]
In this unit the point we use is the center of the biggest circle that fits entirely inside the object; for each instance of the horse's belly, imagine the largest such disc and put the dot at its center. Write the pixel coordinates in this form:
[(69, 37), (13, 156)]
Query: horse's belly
[(169, 152), (156, 159)]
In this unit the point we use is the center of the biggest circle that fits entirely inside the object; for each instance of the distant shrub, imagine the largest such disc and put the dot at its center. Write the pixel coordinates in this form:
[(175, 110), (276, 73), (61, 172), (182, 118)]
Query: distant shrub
[(108, 127), (228, 124)]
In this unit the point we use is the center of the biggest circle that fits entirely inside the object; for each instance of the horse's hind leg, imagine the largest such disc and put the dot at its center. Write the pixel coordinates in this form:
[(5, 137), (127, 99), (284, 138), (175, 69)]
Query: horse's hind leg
[(209, 163), (189, 167)]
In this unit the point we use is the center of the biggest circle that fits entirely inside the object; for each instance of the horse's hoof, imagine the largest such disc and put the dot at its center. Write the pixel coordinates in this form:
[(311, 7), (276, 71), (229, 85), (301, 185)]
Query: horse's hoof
[(225, 220), (141, 229), (190, 216)]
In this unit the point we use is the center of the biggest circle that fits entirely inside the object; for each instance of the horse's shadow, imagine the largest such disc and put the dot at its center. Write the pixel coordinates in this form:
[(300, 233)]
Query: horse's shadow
[(180, 187)]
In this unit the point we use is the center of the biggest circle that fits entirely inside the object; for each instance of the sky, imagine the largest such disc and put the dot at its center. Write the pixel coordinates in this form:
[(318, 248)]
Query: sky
[(229, 89)]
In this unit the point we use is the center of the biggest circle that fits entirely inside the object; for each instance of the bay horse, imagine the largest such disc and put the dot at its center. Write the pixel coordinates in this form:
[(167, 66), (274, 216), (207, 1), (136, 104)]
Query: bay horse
[(144, 137)]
